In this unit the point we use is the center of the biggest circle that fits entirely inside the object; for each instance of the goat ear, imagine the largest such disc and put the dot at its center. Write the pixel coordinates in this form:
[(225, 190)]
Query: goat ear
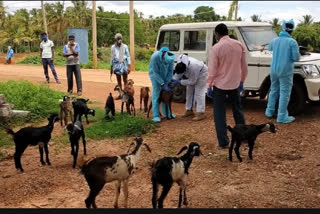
[(148, 148), (182, 149)]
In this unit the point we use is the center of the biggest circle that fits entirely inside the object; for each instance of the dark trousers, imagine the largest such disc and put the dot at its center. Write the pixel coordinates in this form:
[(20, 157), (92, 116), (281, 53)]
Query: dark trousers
[(125, 79), (74, 69), (219, 111), (45, 63)]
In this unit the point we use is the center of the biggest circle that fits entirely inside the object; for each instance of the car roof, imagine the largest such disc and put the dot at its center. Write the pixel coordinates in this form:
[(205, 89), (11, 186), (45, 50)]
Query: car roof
[(213, 24)]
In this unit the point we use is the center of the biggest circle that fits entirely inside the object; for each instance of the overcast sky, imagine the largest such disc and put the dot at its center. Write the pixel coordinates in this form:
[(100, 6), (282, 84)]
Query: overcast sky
[(267, 9)]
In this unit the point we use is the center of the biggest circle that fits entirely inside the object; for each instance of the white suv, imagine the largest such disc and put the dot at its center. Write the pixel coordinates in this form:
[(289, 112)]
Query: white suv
[(196, 40)]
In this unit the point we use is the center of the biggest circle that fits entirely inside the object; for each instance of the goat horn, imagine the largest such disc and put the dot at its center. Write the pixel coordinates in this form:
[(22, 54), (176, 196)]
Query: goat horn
[(148, 148), (182, 149)]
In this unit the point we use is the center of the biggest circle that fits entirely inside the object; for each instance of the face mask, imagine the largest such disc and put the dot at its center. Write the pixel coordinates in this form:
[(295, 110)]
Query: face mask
[(169, 58), (44, 38)]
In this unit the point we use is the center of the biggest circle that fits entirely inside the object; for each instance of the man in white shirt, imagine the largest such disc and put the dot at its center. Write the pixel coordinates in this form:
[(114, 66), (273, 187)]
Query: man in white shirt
[(47, 54)]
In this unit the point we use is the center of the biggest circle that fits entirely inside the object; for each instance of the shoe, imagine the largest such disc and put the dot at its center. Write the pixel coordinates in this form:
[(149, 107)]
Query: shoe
[(288, 119), (187, 113), (79, 93), (156, 120), (58, 82), (70, 92), (268, 114), (199, 116), (173, 116)]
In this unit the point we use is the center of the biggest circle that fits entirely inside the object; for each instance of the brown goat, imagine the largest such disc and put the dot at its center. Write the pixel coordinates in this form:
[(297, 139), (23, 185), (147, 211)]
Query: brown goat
[(144, 95), (165, 97), (65, 109), (128, 88)]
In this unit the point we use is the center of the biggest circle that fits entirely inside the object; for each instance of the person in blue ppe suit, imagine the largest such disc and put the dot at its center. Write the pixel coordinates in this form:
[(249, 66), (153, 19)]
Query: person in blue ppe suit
[(285, 53), (160, 73), (10, 55)]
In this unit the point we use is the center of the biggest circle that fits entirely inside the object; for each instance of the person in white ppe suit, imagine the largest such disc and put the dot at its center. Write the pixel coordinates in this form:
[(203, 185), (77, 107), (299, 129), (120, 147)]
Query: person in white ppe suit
[(192, 73)]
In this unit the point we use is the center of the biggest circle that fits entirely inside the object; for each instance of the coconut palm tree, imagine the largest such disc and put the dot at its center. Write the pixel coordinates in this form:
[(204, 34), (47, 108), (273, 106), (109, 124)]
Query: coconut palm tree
[(255, 18), (275, 22), (234, 7), (307, 20)]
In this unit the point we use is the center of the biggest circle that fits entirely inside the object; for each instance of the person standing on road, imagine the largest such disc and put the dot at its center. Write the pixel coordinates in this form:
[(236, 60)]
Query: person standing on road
[(71, 52), (9, 56), (227, 70), (193, 74), (285, 53), (47, 55), (120, 61)]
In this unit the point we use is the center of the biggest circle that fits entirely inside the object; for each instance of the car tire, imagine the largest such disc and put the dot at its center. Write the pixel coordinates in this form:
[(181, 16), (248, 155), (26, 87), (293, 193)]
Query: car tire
[(298, 99)]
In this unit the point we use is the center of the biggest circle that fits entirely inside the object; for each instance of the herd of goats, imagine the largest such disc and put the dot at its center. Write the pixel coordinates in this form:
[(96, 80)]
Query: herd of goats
[(104, 169)]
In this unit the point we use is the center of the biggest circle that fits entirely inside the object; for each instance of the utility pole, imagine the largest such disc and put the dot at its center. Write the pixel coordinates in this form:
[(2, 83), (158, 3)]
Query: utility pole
[(44, 17), (132, 66), (94, 34)]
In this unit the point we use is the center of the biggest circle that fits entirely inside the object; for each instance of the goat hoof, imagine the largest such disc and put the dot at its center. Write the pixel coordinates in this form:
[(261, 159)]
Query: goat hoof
[(115, 206), (43, 163), (185, 203), (48, 163)]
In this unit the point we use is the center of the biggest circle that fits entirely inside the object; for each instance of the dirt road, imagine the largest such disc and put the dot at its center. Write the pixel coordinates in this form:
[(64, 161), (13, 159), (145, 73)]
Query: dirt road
[(283, 174)]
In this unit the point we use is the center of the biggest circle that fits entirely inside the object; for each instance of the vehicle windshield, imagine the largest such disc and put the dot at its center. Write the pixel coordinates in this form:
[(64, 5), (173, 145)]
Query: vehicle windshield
[(257, 38)]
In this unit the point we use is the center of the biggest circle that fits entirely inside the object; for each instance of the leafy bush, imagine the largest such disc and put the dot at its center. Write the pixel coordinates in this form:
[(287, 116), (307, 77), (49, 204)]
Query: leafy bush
[(40, 100)]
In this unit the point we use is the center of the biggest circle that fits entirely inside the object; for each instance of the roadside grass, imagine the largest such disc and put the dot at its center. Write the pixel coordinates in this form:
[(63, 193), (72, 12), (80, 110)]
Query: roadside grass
[(40, 100), (123, 125)]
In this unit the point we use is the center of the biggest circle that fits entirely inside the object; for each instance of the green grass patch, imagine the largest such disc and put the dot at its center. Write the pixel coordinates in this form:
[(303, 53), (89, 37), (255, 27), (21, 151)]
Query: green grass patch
[(123, 125), (5, 139), (40, 100)]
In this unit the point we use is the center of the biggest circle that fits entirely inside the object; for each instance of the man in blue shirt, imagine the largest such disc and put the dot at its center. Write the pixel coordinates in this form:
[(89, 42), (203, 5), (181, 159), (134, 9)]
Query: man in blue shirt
[(10, 55), (120, 61), (71, 52), (285, 51)]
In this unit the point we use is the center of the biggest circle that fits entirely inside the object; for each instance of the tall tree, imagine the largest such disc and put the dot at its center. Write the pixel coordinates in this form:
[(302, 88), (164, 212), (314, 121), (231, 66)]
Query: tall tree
[(307, 20), (255, 18), (205, 14), (234, 7)]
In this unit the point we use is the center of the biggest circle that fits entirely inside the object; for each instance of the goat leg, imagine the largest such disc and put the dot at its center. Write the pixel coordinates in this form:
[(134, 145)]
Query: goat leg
[(75, 156), (71, 119), (180, 197), (17, 156), (72, 149), (126, 193), (185, 200), (41, 154), (236, 149), (146, 104), (231, 148), (118, 188), (169, 104), (84, 143), (122, 107), (164, 194), (154, 192), (61, 115), (150, 107), (251, 144), (86, 118), (140, 103), (47, 153)]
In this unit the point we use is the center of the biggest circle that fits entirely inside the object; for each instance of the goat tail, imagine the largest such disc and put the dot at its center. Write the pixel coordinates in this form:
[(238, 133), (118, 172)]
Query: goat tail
[(229, 128), (10, 131)]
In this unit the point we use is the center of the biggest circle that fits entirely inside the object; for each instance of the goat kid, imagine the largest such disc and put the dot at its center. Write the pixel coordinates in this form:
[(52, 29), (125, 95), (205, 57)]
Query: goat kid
[(101, 170), (242, 132), (80, 108), (167, 170), (127, 99), (144, 95), (33, 136), (165, 97), (65, 110), (128, 88), (75, 132), (110, 107)]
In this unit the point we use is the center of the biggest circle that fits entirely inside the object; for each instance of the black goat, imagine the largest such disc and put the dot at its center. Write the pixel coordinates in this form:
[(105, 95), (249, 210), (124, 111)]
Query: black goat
[(242, 132), (80, 108), (172, 169), (109, 107), (105, 169), (75, 131), (33, 136)]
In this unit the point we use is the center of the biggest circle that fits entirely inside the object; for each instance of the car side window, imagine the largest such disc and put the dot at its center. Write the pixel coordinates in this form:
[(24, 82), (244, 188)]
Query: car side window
[(195, 40), (170, 39)]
